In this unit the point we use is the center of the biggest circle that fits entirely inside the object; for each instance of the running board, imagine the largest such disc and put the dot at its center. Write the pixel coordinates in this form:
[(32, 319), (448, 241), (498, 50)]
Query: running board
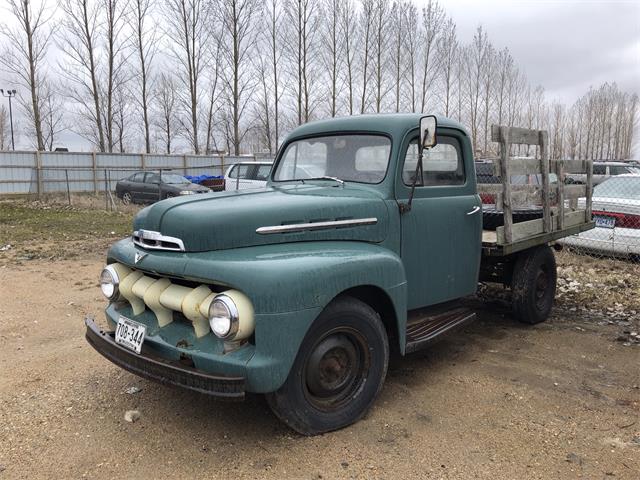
[(424, 326)]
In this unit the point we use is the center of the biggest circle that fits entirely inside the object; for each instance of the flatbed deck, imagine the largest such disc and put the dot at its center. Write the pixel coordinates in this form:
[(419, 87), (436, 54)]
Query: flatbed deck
[(494, 248)]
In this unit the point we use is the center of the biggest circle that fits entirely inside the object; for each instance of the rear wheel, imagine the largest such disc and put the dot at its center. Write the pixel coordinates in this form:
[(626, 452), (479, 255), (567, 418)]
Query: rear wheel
[(338, 372), (126, 198), (533, 285)]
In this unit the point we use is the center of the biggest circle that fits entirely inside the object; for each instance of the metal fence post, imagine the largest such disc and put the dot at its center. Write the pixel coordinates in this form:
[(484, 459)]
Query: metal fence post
[(39, 173), (66, 176), (106, 191), (184, 164), (95, 174)]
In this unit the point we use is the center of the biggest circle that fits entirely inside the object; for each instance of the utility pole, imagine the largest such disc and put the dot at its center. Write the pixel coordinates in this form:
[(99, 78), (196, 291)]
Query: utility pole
[(10, 94)]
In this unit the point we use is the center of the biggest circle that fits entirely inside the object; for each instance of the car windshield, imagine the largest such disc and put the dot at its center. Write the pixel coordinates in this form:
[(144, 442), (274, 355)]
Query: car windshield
[(355, 158), (619, 187), (173, 178)]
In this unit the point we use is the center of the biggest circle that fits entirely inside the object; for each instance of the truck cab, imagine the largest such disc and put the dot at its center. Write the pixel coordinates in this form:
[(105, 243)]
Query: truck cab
[(299, 290)]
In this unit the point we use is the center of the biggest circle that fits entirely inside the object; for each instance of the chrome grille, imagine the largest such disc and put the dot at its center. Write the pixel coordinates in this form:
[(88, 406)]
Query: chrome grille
[(156, 241)]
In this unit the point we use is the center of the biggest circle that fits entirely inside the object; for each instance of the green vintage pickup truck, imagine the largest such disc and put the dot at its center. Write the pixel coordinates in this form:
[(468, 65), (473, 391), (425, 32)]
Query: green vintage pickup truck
[(366, 237)]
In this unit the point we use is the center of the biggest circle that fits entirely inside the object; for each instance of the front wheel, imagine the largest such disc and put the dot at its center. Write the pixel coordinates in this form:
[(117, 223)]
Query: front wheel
[(126, 198), (533, 286), (338, 372)]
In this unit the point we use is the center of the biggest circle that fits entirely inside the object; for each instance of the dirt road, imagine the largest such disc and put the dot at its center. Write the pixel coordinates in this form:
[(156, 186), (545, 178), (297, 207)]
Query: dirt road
[(498, 400)]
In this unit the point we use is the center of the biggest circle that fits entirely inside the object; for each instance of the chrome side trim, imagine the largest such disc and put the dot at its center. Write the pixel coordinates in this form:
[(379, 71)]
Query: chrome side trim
[(301, 227), (156, 241)]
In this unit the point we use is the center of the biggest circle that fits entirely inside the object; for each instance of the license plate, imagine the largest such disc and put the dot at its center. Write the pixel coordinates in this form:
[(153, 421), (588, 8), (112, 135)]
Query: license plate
[(605, 222), (130, 334)]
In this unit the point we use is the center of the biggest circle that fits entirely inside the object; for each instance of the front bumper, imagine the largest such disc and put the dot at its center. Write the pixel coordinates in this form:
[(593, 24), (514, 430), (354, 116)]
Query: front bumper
[(167, 372)]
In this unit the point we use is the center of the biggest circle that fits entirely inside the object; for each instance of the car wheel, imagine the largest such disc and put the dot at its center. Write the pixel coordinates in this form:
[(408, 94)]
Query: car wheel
[(533, 285), (126, 198), (338, 372)]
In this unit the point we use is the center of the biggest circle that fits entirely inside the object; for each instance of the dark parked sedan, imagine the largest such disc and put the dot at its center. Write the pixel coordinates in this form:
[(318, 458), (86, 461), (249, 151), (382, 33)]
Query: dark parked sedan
[(149, 187)]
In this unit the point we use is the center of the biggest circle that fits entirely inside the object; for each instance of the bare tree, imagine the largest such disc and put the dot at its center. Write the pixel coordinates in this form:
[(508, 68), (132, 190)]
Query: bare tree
[(5, 134), (116, 42), (411, 45), (332, 53), (51, 114), (274, 12), (368, 24), (145, 40), (188, 28), (238, 21), (447, 51), (475, 60), (380, 57), (78, 41), (432, 21), (302, 15), (349, 34), (24, 55), (167, 102)]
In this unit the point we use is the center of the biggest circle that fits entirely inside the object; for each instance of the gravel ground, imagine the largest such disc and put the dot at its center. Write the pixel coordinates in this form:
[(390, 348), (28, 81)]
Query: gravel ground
[(497, 400)]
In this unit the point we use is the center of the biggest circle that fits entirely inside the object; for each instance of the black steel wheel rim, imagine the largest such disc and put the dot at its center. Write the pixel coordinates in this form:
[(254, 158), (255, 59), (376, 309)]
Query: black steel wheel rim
[(336, 369)]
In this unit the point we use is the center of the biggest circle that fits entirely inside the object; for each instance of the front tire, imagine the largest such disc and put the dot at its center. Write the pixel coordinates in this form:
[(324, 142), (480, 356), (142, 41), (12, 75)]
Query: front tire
[(533, 285), (126, 198), (338, 372)]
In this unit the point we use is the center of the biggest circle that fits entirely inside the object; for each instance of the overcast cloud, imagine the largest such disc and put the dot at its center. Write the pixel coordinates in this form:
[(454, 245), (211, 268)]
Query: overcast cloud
[(564, 45)]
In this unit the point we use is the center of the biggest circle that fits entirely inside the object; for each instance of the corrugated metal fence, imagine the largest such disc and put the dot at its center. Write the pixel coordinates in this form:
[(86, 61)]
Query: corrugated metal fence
[(49, 172)]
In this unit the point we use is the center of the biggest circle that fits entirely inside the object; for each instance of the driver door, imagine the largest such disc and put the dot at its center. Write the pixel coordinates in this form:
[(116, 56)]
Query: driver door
[(441, 234)]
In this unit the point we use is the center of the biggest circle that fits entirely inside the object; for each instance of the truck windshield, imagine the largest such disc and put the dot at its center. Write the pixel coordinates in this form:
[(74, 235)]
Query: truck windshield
[(354, 158)]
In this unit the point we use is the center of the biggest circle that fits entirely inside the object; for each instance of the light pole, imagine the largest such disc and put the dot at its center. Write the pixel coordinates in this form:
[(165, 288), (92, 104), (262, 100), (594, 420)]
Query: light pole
[(10, 94)]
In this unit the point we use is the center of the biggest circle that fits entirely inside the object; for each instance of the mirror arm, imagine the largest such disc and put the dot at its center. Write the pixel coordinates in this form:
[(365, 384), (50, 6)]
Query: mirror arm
[(406, 207)]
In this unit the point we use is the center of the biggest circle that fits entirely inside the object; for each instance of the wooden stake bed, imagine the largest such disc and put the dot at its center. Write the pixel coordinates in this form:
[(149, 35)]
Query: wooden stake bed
[(566, 209)]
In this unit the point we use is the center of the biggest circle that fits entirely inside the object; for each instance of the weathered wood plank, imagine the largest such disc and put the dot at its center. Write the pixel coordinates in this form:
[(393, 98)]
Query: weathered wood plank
[(560, 192), (516, 135), (589, 192), (523, 230), (544, 169), (531, 166), (505, 144)]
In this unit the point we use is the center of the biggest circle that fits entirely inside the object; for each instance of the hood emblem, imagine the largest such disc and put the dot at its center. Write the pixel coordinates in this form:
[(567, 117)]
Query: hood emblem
[(139, 256)]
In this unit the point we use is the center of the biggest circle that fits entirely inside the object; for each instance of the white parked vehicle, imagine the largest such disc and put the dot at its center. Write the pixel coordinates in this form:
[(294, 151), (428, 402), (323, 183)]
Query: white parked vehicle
[(616, 212), (244, 175)]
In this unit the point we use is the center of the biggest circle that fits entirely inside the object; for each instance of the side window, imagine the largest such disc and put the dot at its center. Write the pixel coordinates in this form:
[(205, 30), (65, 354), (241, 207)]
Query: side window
[(618, 170), (599, 170), (239, 171), (152, 178), (263, 172), (442, 164), (138, 177)]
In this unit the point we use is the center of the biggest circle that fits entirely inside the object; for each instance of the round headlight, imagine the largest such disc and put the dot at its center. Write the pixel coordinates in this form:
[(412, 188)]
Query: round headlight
[(109, 282), (223, 316)]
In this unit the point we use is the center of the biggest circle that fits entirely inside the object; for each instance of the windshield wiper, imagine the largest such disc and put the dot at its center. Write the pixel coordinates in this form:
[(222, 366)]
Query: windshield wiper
[(324, 177)]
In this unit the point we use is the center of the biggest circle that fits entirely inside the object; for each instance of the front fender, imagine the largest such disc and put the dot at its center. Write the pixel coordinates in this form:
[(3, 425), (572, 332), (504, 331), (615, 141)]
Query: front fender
[(289, 285)]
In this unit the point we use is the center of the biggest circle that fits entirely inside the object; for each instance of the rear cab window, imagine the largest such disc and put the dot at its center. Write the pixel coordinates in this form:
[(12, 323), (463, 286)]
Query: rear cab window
[(442, 164)]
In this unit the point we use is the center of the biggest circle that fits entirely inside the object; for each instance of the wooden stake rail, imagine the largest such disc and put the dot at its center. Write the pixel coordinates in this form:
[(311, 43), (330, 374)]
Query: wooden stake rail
[(552, 197)]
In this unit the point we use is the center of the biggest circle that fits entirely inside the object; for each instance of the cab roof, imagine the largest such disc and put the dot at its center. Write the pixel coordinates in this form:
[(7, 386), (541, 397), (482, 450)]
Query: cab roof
[(393, 124)]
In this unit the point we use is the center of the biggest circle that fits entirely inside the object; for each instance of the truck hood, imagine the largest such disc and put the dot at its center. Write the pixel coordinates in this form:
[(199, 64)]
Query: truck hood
[(230, 219)]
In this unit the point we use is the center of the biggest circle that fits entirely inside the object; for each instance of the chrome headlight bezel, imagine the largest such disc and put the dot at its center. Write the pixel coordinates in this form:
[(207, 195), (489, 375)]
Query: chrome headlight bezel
[(186, 192), (115, 281), (233, 316)]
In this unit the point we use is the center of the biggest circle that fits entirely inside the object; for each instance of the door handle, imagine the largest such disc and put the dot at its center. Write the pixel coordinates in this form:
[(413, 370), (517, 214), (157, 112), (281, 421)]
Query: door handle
[(475, 209)]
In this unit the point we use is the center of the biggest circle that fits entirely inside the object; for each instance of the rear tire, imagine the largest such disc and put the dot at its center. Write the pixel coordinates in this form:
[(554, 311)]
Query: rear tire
[(338, 372), (533, 285)]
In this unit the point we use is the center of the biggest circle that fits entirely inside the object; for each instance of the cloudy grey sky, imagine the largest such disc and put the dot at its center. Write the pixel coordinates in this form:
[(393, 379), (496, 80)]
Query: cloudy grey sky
[(564, 45)]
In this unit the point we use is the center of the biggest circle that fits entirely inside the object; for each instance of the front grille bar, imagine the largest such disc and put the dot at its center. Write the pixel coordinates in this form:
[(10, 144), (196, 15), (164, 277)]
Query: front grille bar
[(156, 241)]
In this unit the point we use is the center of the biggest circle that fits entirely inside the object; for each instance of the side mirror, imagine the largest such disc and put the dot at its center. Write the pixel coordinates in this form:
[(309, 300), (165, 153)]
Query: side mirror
[(428, 127)]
